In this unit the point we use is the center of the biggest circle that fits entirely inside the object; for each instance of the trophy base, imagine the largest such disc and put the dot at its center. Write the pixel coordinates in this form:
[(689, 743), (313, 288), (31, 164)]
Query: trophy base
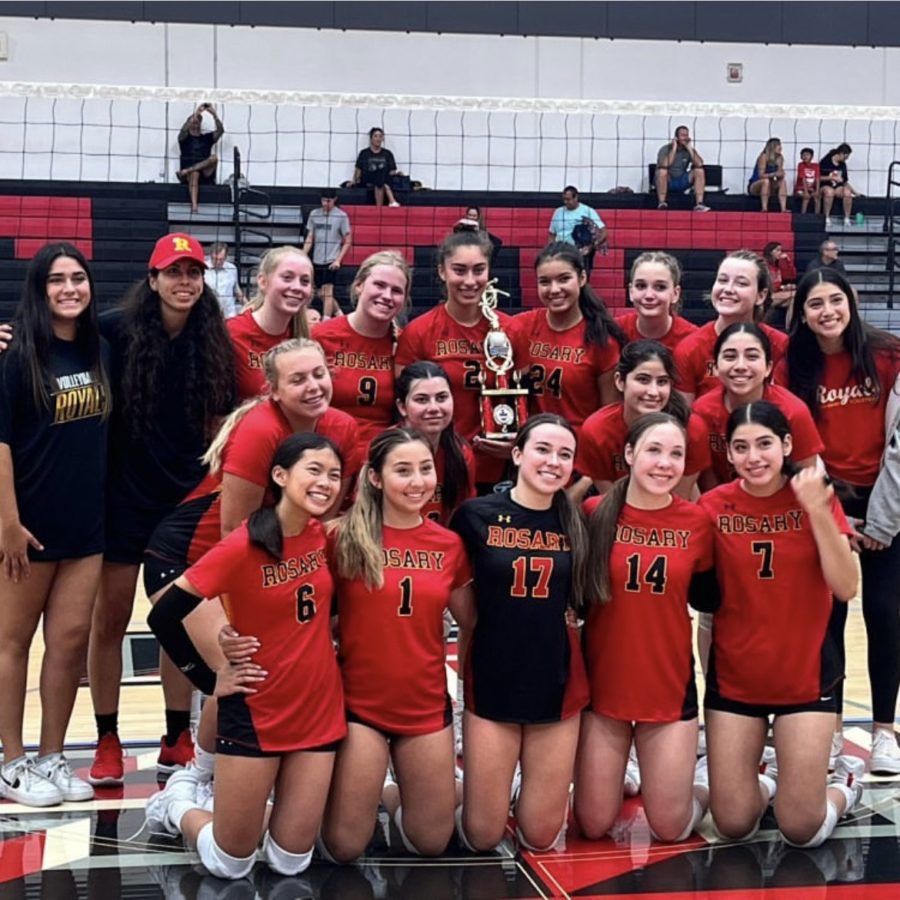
[(503, 412)]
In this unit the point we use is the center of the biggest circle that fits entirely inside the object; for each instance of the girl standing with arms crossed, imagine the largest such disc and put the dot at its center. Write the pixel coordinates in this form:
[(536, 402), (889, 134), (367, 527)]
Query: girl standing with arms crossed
[(651, 553), (525, 679), (846, 372), (781, 554), (54, 411), (397, 573)]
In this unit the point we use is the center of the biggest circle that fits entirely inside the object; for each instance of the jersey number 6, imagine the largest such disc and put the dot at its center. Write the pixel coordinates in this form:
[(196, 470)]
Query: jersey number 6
[(306, 606)]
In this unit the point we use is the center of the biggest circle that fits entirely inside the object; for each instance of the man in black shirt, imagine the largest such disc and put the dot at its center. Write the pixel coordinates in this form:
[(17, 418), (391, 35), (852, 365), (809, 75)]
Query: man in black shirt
[(198, 162)]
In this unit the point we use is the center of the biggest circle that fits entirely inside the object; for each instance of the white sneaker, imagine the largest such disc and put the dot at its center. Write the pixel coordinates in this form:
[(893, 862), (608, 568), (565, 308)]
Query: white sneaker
[(885, 753), (632, 774), (182, 785), (515, 788), (458, 730), (701, 741), (56, 769), (393, 203), (701, 207), (847, 222), (701, 772), (828, 222), (768, 771), (22, 783), (837, 747), (848, 774)]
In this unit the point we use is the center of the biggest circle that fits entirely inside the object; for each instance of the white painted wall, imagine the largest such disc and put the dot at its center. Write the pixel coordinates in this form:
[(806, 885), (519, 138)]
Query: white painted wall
[(133, 138)]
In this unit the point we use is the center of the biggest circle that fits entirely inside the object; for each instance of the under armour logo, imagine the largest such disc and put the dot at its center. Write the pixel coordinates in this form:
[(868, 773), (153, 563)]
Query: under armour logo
[(182, 245), (506, 519)]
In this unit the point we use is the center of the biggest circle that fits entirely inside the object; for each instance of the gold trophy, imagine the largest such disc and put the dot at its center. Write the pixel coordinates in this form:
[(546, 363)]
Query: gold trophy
[(503, 408)]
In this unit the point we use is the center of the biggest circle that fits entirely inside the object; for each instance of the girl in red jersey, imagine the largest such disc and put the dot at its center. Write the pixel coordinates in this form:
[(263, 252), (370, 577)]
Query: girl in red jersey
[(847, 372), (525, 680), (397, 573), (425, 402), (654, 289), (739, 294), (569, 348), (645, 377), (359, 347), (651, 553), (452, 334), (274, 314), (781, 553), (281, 717), (743, 357)]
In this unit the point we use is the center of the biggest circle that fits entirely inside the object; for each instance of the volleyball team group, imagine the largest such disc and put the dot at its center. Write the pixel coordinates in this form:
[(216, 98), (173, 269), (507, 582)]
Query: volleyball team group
[(310, 511)]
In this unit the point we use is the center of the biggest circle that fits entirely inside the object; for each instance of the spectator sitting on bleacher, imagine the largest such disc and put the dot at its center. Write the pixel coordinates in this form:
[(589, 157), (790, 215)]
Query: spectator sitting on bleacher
[(328, 236), (374, 167), (575, 223), (783, 276), (679, 167), (827, 258), (808, 176), (835, 183), (198, 162), (222, 276), (767, 176), (473, 220)]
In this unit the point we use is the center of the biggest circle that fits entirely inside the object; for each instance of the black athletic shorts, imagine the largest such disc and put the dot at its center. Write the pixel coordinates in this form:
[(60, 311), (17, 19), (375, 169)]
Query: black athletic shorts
[(324, 275), (714, 700)]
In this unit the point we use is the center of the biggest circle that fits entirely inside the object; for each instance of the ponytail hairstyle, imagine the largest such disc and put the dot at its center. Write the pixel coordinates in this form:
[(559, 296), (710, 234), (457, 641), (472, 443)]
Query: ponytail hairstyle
[(216, 450), (750, 328), (604, 521), (263, 525), (33, 327), (456, 473), (763, 280), (458, 239), (571, 518), (600, 325), (768, 415), (358, 544), (805, 360), (660, 258), (384, 258), (635, 353), (267, 266)]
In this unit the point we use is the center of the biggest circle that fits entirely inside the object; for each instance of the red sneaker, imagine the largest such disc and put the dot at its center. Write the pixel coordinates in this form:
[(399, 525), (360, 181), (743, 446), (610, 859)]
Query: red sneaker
[(177, 756), (108, 768)]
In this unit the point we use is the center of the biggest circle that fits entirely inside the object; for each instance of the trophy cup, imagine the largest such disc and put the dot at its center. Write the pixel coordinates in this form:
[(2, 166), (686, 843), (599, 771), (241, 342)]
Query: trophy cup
[(503, 406)]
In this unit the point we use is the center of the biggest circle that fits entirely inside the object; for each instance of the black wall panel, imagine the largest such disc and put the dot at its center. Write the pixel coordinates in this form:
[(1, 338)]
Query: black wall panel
[(660, 21)]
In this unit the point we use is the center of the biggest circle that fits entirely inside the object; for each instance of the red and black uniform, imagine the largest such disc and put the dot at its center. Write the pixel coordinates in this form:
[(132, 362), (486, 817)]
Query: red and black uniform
[(681, 328), (524, 663), (459, 349), (251, 344), (286, 604), (362, 372), (638, 645), (563, 369), (433, 509), (195, 525), (771, 644), (601, 450), (804, 435), (392, 638), (696, 364)]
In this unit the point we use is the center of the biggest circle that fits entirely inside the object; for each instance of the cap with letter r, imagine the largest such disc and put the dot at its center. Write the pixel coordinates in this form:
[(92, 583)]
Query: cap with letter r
[(172, 247)]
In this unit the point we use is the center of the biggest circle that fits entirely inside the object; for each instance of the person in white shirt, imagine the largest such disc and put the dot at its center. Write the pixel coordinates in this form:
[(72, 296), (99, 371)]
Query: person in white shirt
[(222, 276)]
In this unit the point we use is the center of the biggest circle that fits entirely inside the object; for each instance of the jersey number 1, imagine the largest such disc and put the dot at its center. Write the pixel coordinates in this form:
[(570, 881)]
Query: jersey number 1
[(405, 596)]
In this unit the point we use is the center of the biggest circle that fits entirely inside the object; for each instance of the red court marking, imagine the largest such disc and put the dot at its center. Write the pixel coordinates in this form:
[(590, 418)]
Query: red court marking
[(21, 856)]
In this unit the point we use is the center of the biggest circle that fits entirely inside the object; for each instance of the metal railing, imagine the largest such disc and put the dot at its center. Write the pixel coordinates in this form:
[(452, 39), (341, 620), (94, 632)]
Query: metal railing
[(892, 199), (242, 195)]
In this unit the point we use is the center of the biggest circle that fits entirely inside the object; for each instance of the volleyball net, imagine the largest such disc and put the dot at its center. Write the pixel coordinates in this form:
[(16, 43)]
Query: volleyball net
[(129, 134)]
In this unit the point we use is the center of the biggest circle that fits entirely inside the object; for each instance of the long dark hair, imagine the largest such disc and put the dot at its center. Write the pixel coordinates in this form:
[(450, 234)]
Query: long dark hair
[(768, 415), (603, 522), (263, 525), (33, 327), (467, 238), (456, 473), (636, 353), (570, 516), (209, 360), (805, 360), (600, 325)]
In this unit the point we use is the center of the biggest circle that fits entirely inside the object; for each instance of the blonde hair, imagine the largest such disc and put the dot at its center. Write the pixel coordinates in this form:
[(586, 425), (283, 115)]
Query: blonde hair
[(216, 450), (384, 258), (267, 266)]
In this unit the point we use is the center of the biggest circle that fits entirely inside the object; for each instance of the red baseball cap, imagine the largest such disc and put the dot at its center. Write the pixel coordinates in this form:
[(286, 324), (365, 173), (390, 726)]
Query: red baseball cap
[(173, 247)]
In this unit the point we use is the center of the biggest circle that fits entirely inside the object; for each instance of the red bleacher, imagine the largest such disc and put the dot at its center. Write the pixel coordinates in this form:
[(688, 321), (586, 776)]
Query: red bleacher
[(33, 221), (406, 228)]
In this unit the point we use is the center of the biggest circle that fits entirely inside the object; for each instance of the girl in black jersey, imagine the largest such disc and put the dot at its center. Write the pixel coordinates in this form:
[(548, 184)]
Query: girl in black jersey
[(54, 408), (525, 678)]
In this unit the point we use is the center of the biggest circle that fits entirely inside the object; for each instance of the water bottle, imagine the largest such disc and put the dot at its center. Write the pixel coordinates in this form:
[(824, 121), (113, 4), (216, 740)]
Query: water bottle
[(860, 219)]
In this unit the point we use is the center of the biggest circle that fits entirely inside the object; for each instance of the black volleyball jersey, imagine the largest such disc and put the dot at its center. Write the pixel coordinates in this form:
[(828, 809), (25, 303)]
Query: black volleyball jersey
[(523, 665)]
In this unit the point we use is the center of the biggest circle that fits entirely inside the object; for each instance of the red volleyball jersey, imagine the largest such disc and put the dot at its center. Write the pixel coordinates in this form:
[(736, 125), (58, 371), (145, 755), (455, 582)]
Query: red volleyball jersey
[(638, 645), (459, 349), (362, 372), (851, 419), (286, 604), (564, 370), (251, 344), (695, 362), (392, 638), (680, 329), (804, 434), (771, 643), (433, 509), (601, 449)]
